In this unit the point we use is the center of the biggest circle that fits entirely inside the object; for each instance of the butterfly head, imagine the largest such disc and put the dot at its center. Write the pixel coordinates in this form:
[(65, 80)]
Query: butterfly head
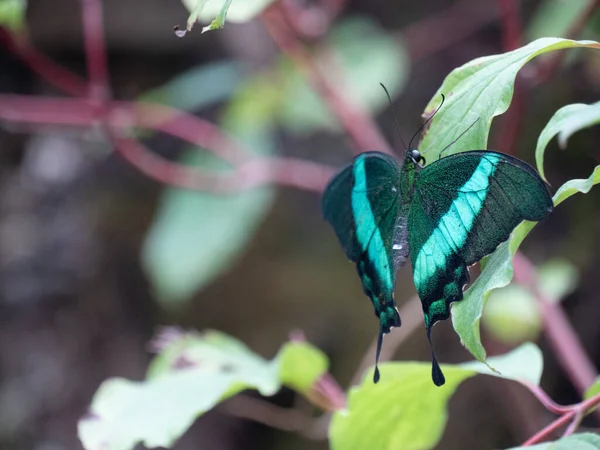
[(416, 157)]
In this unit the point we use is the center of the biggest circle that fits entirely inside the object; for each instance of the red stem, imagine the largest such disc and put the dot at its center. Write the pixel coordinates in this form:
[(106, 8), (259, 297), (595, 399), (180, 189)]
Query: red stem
[(51, 72), (121, 117), (574, 414), (95, 50)]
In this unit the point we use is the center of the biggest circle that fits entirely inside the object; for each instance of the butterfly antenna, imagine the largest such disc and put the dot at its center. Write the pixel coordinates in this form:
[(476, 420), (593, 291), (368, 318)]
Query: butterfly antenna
[(427, 121), (395, 116), (376, 374), (436, 372), (459, 136)]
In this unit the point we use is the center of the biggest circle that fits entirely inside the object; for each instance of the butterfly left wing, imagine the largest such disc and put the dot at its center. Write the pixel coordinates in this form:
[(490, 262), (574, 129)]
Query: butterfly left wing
[(463, 207), (362, 204)]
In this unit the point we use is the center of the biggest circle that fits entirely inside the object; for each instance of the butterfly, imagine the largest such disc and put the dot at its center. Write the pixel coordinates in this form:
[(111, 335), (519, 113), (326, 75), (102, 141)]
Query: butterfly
[(445, 216)]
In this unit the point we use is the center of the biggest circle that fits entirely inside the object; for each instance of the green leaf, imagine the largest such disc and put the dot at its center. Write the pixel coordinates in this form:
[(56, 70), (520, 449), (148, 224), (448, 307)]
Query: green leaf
[(524, 364), (578, 185), (565, 122), (365, 55), (511, 315), (593, 390), (238, 11), (12, 14), (196, 236), (191, 375), (219, 21), (480, 90), (582, 441), (406, 410)]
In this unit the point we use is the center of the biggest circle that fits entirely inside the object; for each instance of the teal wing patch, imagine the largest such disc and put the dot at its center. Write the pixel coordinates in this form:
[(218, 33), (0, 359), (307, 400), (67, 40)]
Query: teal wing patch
[(463, 207)]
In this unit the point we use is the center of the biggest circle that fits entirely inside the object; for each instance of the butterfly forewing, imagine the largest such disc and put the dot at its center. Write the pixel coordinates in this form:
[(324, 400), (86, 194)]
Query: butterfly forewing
[(463, 207), (362, 204)]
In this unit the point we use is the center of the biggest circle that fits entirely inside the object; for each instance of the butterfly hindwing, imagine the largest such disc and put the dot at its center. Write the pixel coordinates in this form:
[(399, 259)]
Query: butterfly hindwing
[(463, 207)]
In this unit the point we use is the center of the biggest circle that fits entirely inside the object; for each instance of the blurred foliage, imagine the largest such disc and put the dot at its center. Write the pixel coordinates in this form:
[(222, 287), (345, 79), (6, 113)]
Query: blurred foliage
[(558, 278), (197, 235), (511, 315), (187, 91), (190, 375), (365, 56), (363, 53), (12, 14), (555, 18)]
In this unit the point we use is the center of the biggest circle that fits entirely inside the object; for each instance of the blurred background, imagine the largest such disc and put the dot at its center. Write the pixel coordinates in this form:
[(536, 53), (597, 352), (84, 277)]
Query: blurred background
[(95, 255)]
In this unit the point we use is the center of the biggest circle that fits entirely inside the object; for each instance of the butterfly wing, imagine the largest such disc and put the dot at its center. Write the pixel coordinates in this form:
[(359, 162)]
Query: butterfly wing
[(362, 204), (463, 207)]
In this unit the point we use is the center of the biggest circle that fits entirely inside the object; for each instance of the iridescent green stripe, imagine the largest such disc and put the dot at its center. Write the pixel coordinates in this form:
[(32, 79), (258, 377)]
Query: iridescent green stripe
[(452, 231), (367, 232)]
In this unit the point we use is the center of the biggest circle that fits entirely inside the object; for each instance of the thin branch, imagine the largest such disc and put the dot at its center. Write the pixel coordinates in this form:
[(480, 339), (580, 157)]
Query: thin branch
[(51, 72), (95, 50), (330, 87)]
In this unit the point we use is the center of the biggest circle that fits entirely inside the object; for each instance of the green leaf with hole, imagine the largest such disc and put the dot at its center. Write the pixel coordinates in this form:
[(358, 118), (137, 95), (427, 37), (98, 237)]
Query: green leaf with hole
[(564, 123), (406, 410), (479, 91), (12, 14), (581, 441), (476, 93), (191, 374)]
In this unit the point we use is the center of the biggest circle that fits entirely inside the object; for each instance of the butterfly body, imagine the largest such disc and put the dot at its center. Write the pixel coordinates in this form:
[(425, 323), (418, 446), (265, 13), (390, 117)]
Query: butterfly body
[(444, 216)]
